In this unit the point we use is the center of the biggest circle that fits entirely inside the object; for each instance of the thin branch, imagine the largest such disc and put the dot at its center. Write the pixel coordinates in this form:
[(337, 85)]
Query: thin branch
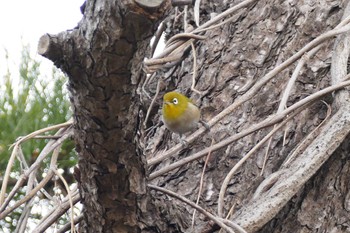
[(56, 213), (306, 57), (190, 203), (201, 182), (186, 36), (236, 227), (148, 79), (185, 17), (14, 152), (22, 221), (308, 139), (69, 198), (22, 160), (292, 177), (47, 149), (247, 156), (52, 213), (27, 197), (67, 226), (157, 36), (283, 103), (41, 131), (47, 137), (171, 52), (194, 74), (252, 92), (224, 15), (265, 123), (152, 103), (197, 4)]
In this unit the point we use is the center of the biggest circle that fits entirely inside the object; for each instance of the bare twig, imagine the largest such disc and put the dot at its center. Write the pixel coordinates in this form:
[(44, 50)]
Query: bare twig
[(236, 227), (41, 131), (152, 103), (67, 226), (283, 103), (254, 89), (56, 213), (22, 222), (49, 147), (185, 17), (171, 52), (69, 198), (306, 57), (190, 203), (201, 182), (223, 15), (247, 156), (197, 4), (148, 79), (27, 197), (194, 74), (184, 36), (265, 123), (308, 139), (47, 137), (15, 151), (292, 177), (33, 192), (157, 36)]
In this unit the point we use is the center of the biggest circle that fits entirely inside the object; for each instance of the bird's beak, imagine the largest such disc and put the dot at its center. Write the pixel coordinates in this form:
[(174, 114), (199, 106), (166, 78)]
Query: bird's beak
[(166, 102)]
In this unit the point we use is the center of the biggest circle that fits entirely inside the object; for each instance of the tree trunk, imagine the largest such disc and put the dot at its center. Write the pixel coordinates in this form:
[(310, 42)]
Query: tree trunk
[(103, 58)]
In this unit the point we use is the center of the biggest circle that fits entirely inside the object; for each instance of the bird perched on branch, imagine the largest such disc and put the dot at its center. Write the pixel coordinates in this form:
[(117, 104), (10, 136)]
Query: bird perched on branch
[(180, 114)]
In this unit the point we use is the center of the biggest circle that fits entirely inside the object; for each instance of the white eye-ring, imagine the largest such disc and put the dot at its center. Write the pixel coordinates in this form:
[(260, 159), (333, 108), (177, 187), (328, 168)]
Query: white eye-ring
[(175, 101)]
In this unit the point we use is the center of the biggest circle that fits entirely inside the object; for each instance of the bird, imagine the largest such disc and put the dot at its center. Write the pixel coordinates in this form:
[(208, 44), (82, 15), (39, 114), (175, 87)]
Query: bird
[(180, 114)]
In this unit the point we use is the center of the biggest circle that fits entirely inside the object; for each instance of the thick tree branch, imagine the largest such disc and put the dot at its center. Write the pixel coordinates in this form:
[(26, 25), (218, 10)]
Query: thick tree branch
[(49, 47)]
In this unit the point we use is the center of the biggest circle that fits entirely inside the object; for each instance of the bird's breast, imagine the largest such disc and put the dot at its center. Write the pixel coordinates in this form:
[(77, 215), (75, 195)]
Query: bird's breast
[(186, 121)]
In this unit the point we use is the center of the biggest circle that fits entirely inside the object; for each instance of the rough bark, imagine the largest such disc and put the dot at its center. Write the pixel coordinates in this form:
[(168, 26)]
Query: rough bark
[(323, 204), (229, 62), (102, 58)]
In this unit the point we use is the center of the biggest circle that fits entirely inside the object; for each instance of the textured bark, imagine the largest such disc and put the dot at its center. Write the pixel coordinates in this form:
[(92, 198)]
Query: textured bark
[(233, 58), (103, 57), (323, 204)]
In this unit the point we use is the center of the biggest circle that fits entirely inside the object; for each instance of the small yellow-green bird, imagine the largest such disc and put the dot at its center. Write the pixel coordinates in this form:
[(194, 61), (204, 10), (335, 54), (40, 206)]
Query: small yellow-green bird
[(180, 115)]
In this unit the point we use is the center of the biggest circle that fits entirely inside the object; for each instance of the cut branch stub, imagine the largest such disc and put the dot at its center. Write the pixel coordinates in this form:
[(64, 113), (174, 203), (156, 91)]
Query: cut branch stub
[(49, 47), (151, 4)]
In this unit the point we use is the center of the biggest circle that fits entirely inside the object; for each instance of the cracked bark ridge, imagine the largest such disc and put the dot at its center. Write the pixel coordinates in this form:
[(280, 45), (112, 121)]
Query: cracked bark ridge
[(100, 56)]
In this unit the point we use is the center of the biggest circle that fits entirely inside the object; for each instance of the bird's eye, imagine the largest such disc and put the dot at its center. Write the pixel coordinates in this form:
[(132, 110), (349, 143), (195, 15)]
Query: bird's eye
[(175, 101)]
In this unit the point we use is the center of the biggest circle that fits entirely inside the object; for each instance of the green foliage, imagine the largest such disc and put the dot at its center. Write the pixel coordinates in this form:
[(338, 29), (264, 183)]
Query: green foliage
[(29, 103)]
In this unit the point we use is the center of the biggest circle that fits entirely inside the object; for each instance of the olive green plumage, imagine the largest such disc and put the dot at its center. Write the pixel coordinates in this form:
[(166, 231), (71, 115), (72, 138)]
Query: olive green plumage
[(180, 115)]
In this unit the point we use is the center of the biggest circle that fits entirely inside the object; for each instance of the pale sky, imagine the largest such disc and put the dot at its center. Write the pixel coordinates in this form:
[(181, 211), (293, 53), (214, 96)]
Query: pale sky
[(29, 20)]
